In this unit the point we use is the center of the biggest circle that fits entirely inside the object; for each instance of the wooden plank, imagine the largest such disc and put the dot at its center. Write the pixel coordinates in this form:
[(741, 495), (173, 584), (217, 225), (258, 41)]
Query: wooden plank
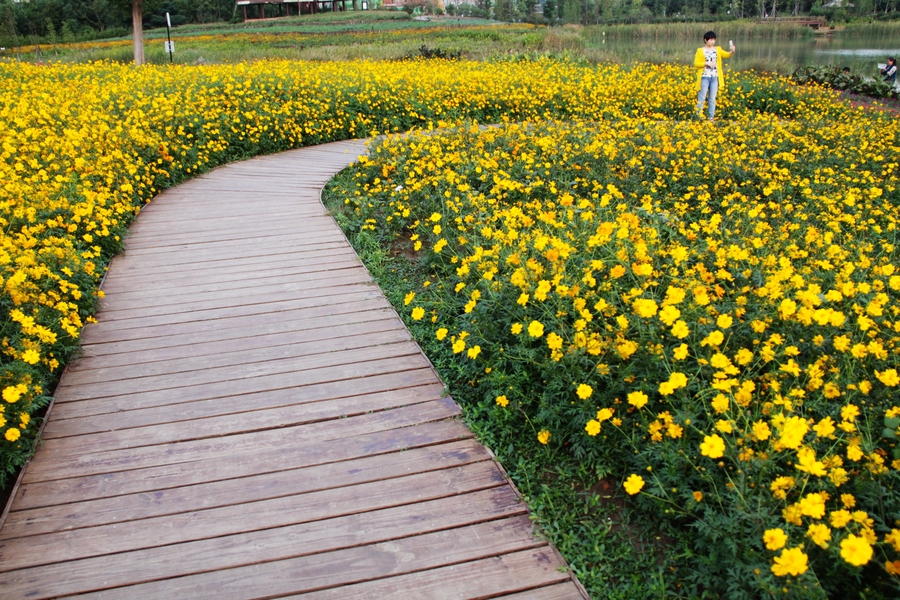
[(198, 252), (559, 591), (346, 395), (260, 270), (135, 352), (48, 465), (353, 298), (83, 575), (239, 293), (484, 578), (122, 270), (284, 346), (133, 507), (242, 422), (227, 520), (240, 464), (275, 390), (231, 324), (343, 567), (232, 380)]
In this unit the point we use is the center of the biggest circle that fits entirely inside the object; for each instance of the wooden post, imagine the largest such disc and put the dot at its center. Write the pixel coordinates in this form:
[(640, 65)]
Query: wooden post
[(245, 12), (137, 20)]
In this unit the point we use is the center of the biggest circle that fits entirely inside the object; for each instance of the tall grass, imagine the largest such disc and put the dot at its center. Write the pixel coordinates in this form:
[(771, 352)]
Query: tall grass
[(742, 29)]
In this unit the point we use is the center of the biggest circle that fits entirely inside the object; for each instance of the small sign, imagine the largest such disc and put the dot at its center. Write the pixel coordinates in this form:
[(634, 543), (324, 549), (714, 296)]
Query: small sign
[(170, 46)]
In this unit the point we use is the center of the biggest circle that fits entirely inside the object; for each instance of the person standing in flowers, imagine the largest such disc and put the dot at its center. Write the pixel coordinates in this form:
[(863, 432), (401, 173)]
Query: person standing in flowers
[(710, 77)]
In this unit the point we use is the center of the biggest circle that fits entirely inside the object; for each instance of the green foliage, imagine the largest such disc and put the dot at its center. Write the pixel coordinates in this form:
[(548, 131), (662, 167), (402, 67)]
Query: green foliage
[(836, 78)]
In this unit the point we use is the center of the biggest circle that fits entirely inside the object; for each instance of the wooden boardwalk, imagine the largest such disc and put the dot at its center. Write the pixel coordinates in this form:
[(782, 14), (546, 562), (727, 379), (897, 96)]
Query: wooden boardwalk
[(250, 419)]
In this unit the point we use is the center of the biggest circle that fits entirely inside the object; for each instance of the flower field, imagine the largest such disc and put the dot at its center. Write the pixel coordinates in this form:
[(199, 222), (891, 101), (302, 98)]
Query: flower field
[(707, 316)]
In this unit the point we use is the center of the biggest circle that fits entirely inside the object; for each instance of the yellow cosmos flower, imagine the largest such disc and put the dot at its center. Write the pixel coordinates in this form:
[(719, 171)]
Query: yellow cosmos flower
[(856, 550), (502, 401), (761, 430), (516, 328), (12, 434), (592, 428), (680, 330), (888, 377), (535, 329), (584, 391), (644, 307), (441, 333), (459, 346), (417, 313), (713, 446), (637, 399), (473, 352), (774, 539), (681, 352), (12, 393), (543, 436), (724, 321), (792, 561), (698, 496), (634, 484), (408, 298), (31, 357)]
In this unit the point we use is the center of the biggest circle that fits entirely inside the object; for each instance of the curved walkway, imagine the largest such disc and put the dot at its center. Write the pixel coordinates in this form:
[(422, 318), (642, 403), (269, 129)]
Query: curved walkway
[(251, 419)]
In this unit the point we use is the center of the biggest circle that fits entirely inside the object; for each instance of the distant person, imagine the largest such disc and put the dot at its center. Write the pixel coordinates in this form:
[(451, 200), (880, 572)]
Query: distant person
[(710, 76), (890, 70)]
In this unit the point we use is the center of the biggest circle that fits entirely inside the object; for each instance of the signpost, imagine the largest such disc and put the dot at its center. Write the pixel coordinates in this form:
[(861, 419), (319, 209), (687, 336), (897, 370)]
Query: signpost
[(170, 45)]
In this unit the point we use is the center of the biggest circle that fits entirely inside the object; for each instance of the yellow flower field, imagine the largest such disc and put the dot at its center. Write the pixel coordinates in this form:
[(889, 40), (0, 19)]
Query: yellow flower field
[(709, 313)]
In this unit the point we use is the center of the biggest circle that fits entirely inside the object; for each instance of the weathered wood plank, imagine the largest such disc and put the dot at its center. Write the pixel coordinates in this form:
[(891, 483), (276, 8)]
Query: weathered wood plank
[(50, 465), (332, 301), (348, 395), (559, 591), (344, 337), (484, 578), (232, 323), (231, 380), (83, 575), (342, 567), (253, 419), (277, 512), (133, 507), (282, 388), (243, 463)]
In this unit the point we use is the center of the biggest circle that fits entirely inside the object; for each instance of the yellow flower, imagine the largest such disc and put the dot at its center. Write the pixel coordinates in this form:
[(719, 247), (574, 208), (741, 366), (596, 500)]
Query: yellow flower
[(825, 428), (543, 436), (637, 399), (724, 426), (634, 484), (839, 518), (714, 339), (761, 430), (459, 346), (31, 357), (644, 307), (680, 352), (12, 434), (669, 314), (502, 401), (793, 561), (698, 496), (408, 298), (441, 333), (680, 330), (12, 393), (535, 329), (604, 414), (592, 427), (888, 377), (850, 412), (720, 403), (774, 539), (856, 550), (813, 505), (792, 433), (417, 313), (713, 446), (584, 391), (516, 328), (724, 321), (473, 352)]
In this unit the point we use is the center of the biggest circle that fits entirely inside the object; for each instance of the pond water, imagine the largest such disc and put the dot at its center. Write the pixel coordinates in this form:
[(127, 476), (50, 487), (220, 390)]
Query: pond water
[(861, 53)]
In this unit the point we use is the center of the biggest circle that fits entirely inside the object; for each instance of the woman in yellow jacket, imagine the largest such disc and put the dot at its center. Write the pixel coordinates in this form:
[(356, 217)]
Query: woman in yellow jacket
[(710, 77)]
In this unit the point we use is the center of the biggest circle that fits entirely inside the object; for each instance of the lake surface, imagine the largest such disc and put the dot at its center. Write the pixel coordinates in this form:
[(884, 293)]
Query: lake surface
[(861, 53)]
